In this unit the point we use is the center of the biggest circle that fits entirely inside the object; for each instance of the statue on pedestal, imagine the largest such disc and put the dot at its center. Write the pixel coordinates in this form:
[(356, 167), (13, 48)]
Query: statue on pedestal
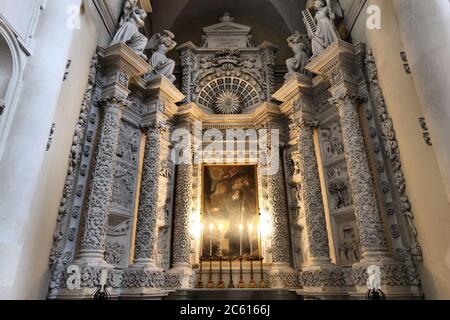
[(161, 44), (131, 21), (299, 46), (322, 31)]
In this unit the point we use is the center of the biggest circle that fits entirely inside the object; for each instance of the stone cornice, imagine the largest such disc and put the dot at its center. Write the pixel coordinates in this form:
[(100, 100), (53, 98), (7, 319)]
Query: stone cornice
[(120, 56), (319, 64), (298, 84), (262, 114)]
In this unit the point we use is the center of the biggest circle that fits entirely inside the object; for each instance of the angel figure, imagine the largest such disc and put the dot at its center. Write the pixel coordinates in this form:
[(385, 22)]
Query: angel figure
[(161, 44), (326, 32), (131, 21), (301, 59)]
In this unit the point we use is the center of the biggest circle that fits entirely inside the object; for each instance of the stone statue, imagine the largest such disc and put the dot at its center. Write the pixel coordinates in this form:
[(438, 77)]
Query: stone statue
[(204, 42), (131, 20), (326, 32), (374, 279), (161, 44), (301, 59)]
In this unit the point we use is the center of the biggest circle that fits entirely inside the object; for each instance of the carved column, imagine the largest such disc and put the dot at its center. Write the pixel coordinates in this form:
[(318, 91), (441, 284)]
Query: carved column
[(144, 252), (318, 273), (119, 64), (312, 208), (268, 58), (372, 238), (187, 66), (93, 236), (160, 96), (373, 244), (280, 222), (183, 208)]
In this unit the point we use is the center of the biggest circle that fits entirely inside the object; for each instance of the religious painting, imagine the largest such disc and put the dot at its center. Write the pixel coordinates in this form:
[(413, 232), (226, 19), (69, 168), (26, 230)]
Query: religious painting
[(229, 212)]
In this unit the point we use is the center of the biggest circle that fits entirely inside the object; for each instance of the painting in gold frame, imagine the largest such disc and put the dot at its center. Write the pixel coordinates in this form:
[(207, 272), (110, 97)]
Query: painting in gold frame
[(229, 211)]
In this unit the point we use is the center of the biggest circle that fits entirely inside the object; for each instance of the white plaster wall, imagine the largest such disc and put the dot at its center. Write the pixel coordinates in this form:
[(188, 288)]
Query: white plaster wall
[(424, 181), (18, 13), (32, 179)]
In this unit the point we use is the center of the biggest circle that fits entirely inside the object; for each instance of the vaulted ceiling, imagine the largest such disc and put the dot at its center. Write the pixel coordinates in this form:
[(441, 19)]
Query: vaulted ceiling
[(272, 20)]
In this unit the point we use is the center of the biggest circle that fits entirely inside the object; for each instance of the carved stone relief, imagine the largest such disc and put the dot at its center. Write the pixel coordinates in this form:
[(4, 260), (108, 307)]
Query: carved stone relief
[(225, 67), (348, 250), (63, 249)]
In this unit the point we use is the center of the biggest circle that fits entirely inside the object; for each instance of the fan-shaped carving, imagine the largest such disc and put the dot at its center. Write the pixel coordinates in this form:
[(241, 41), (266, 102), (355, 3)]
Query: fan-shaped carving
[(228, 103), (228, 91)]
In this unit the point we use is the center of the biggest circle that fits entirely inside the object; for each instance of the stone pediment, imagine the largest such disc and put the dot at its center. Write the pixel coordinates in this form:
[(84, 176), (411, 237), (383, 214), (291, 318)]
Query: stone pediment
[(227, 27), (226, 34)]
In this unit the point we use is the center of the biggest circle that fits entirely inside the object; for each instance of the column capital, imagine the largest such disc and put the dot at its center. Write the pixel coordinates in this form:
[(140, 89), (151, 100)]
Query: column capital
[(342, 95), (113, 103), (158, 125), (305, 122)]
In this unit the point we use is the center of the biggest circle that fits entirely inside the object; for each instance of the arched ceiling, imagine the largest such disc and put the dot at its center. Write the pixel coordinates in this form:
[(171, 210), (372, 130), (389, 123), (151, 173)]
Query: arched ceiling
[(271, 20)]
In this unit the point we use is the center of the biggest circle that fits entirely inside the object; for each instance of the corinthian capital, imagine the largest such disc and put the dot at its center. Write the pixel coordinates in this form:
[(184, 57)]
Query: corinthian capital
[(116, 101), (307, 123), (346, 97), (157, 126)]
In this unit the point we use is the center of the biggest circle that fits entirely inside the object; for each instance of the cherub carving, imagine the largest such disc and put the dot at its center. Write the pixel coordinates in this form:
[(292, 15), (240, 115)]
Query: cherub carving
[(131, 21), (299, 45), (161, 44), (374, 279)]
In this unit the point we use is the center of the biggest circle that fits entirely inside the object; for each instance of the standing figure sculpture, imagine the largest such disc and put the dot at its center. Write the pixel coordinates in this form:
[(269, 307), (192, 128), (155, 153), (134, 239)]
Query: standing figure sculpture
[(131, 21), (326, 32), (161, 44), (297, 63)]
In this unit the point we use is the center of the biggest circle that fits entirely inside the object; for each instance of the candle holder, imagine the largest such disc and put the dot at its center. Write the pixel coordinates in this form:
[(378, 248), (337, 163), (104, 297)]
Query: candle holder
[(262, 284), (252, 279), (210, 282), (200, 282), (221, 285), (231, 284), (241, 284)]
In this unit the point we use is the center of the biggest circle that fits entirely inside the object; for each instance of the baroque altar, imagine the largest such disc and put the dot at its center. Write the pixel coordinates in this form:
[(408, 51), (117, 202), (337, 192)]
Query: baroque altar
[(310, 170)]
